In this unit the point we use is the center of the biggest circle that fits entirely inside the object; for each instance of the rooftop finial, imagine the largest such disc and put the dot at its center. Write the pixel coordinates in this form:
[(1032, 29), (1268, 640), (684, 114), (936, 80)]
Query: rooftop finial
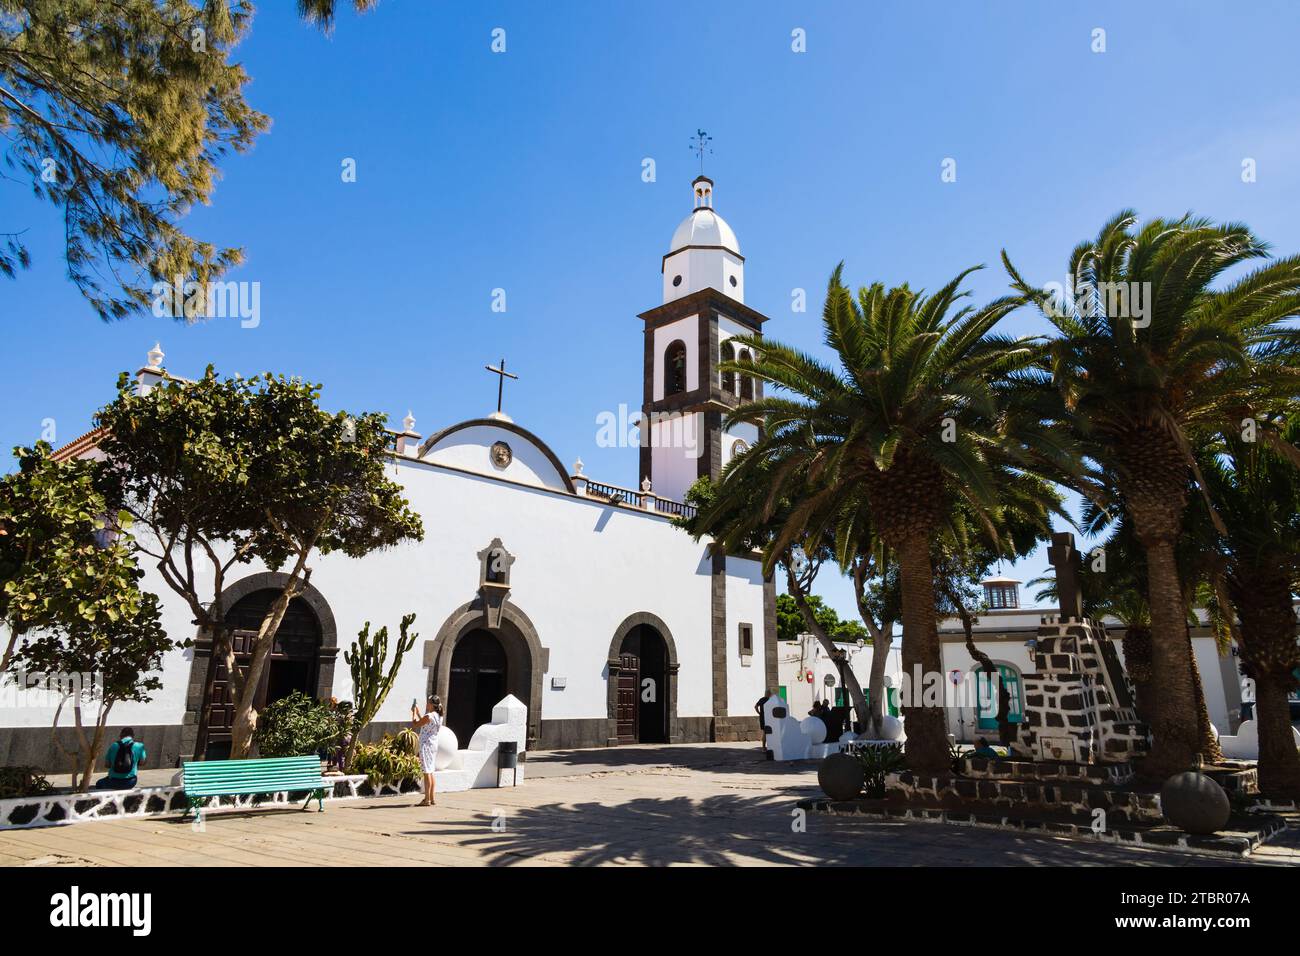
[(700, 145), (408, 423), (156, 355)]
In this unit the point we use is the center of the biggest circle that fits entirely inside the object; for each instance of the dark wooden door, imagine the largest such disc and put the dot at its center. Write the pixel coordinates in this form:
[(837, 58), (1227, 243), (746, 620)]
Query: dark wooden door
[(478, 681), (293, 664), (220, 716), (628, 709)]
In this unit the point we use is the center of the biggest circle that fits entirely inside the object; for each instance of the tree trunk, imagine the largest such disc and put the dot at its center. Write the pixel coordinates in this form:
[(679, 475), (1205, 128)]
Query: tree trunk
[(926, 750), (1006, 730), (810, 622), (1211, 753), (880, 646), (1176, 738), (1137, 662), (1279, 759), (244, 724), (882, 639), (1269, 654)]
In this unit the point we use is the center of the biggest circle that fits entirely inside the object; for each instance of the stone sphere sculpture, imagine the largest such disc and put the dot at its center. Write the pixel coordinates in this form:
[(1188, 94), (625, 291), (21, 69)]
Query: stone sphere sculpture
[(448, 757), (841, 776), (1194, 803), (814, 728), (891, 728)]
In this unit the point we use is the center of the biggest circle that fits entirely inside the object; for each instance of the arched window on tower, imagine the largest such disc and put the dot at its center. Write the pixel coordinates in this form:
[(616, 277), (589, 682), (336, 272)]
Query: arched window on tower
[(746, 381), (728, 378), (675, 368)]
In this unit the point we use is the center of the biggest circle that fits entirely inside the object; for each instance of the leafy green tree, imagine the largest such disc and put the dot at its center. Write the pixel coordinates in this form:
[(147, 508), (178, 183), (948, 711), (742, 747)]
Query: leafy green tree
[(97, 666), (1156, 347), (223, 472), (63, 565), (926, 409), (70, 597), (118, 113), (789, 620)]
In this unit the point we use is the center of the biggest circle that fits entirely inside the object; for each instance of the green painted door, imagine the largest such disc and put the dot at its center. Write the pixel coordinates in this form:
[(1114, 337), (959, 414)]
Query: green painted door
[(988, 698)]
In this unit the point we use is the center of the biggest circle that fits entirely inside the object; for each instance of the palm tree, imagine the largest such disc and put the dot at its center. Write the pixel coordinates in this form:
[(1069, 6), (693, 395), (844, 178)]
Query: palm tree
[(1149, 356), (1257, 492), (921, 414), (1121, 591)]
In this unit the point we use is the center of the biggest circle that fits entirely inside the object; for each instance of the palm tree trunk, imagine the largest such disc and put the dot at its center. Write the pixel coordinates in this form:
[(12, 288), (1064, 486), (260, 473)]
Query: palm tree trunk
[(1137, 662), (926, 750), (1211, 753), (1268, 651), (1176, 738), (1279, 759)]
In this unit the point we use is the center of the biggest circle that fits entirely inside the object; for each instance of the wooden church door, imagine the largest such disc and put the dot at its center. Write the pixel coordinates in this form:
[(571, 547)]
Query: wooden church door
[(629, 674)]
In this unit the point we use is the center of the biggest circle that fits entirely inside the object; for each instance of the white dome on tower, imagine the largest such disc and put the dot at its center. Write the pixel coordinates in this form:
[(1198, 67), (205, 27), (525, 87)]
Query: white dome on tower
[(704, 227), (704, 252)]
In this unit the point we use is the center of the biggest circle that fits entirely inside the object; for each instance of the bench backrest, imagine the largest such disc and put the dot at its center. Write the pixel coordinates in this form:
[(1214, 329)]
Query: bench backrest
[(251, 776)]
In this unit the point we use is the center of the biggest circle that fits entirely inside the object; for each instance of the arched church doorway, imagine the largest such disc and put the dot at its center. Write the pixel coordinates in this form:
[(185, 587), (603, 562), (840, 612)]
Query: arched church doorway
[(642, 698), (480, 678), (294, 663)]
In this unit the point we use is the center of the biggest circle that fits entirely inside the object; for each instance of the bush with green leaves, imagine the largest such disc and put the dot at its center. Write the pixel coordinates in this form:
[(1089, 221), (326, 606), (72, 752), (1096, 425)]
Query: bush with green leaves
[(298, 725), (22, 782), (876, 763), (390, 761)]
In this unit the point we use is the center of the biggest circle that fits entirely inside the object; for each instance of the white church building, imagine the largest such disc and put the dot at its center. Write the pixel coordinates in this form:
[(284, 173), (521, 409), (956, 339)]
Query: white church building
[(602, 596)]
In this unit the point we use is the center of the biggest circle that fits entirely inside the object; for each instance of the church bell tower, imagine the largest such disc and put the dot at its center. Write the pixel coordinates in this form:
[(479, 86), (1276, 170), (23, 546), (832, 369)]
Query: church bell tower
[(685, 396)]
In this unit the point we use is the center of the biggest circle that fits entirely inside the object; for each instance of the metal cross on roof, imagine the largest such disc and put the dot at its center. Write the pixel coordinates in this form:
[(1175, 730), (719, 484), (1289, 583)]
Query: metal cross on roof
[(501, 381)]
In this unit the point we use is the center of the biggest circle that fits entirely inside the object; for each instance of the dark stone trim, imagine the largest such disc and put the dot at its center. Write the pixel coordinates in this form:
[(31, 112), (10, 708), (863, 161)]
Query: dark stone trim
[(718, 632), (772, 678), (698, 302), (193, 737), (524, 433), (663, 261), (612, 671), (709, 464), (572, 733), (514, 623)]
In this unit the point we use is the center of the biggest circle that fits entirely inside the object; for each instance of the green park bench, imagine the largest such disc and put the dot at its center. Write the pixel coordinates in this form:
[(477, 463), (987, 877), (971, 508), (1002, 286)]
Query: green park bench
[(204, 779)]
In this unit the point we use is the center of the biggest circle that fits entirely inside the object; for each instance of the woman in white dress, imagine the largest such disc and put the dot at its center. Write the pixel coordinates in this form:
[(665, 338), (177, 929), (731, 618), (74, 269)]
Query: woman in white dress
[(429, 724)]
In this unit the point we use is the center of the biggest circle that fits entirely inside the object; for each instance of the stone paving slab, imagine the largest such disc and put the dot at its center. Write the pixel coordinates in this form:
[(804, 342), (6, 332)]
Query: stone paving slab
[(673, 806)]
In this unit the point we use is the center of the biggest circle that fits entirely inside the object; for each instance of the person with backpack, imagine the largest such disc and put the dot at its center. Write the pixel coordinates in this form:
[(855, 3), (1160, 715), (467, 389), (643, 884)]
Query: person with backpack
[(123, 760)]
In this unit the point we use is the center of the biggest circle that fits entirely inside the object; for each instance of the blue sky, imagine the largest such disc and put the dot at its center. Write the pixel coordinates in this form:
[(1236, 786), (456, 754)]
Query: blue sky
[(522, 171)]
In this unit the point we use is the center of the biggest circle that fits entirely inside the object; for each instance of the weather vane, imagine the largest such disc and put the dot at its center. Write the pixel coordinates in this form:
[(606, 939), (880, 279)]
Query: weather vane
[(700, 146)]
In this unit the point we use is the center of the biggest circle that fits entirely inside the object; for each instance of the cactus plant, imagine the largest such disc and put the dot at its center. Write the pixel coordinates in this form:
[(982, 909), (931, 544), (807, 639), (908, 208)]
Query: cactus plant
[(370, 682)]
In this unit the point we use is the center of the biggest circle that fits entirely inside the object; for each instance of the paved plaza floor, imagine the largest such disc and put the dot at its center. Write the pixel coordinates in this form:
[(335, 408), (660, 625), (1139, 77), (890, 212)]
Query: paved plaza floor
[(703, 804)]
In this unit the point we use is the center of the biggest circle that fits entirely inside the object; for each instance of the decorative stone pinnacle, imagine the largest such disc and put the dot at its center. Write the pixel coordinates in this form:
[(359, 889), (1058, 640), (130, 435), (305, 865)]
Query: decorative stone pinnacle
[(577, 467), (645, 485), (156, 356), (408, 423)]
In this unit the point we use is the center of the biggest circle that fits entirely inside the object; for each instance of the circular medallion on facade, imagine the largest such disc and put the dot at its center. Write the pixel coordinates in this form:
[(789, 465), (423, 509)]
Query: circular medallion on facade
[(739, 447), (501, 454)]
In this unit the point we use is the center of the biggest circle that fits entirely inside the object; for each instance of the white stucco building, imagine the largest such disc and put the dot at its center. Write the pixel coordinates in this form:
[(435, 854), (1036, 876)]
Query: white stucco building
[(609, 622), (1006, 632)]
